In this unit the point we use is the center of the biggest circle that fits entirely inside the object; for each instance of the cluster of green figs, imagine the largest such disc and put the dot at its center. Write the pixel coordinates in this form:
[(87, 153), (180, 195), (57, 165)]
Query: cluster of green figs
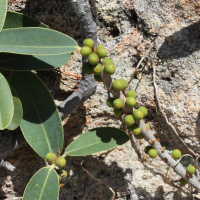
[(106, 67), (93, 66), (60, 162)]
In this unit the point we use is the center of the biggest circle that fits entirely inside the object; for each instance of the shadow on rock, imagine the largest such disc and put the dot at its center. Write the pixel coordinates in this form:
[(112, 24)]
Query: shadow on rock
[(182, 43)]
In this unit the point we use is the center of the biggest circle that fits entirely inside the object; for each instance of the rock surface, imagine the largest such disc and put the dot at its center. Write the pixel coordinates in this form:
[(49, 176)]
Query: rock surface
[(124, 26)]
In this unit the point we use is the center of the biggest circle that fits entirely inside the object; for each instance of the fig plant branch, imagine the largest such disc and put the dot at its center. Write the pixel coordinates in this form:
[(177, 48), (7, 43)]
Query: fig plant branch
[(149, 135), (87, 85), (10, 141)]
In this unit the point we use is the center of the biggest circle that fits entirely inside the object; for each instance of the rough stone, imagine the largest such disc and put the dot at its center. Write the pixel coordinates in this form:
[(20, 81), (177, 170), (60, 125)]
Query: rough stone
[(124, 26)]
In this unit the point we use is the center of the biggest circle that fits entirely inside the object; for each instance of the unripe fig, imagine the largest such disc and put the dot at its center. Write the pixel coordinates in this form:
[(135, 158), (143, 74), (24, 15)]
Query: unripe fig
[(109, 69), (119, 84), (136, 129), (153, 153), (144, 110), (93, 59), (125, 84), (87, 68), (128, 120), (182, 182), (88, 42), (118, 112), (139, 137), (51, 158), (101, 52), (147, 127), (130, 102), (100, 46), (109, 102), (63, 174), (131, 93), (98, 69), (61, 162), (59, 177), (176, 154), (86, 51), (107, 61), (191, 169), (137, 114), (118, 103), (98, 78), (147, 148)]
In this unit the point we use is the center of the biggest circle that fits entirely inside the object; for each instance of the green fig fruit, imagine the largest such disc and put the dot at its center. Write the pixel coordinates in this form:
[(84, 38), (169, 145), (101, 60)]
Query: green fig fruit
[(153, 153), (63, 174), (182, 182), (98, 78), (87, 68), (109, 102), (147, 148), (98, 69), (88, 42), (136, 129), (119, 84), (100, 46), (109, 69), (86, 51), (191, 169), (51, 158), (139, 137), (125, 84), (144, 110), (118, 112), (60, 162), (131, 93), (176, 154), (101, 52), (128, 120), (130, 102), (107, 61), (118, 103), (93, 59), (138, 114)]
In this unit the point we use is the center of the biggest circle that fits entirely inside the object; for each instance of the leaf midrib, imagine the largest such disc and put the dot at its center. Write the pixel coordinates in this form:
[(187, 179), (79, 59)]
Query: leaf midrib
[(83, 147), (44, 184)]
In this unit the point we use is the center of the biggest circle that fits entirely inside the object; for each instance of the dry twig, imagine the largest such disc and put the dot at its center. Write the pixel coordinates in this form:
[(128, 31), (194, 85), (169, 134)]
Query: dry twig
[(96, 179), (166, 119)]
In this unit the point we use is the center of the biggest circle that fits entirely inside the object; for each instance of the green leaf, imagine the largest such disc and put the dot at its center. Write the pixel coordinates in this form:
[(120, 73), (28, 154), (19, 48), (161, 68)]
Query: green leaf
[(28, 62), (6, 103), (18, 111), (17, 20), (41, 123), (44, 185), (36, 41), (96, 140), (3, 10)]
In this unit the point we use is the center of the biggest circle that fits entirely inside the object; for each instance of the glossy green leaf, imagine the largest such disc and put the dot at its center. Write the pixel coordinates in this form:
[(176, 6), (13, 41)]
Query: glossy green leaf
[(28, 62), (44, 185), (6, 103), (18, 111), (36, 41), (20, 62), (3, 10), (41, 123), (96, 140), (17, 20)]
